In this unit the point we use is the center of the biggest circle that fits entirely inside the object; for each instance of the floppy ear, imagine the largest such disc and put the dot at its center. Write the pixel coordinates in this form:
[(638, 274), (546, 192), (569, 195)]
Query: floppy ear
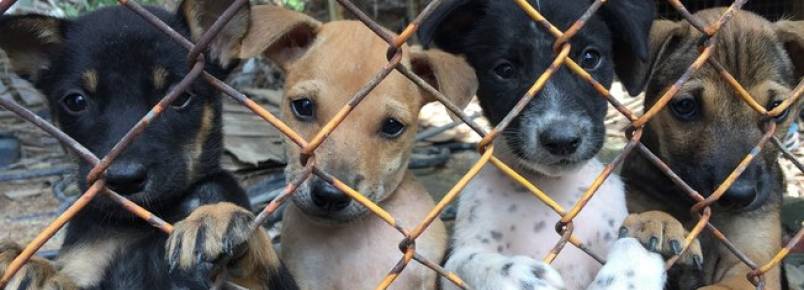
[(279, 34), (200, 15), (791, 34), (630, 23), (31, 41), (449, 74), (664, 37), (450, 22)]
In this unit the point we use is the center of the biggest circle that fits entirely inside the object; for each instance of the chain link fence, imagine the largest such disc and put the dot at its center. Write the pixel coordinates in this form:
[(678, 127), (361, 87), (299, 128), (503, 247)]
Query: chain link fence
[(411, 232)]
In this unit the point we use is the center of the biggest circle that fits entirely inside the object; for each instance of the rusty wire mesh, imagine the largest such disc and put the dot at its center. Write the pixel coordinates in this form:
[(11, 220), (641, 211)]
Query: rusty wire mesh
[(485, 147)]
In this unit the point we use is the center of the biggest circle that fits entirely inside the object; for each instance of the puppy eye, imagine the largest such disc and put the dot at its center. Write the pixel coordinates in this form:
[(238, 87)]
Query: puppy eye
[(684, 109), (392, 128), (75, 103), (303, 109), (590, 59), (182, 101), (781, 116), (504, 70)]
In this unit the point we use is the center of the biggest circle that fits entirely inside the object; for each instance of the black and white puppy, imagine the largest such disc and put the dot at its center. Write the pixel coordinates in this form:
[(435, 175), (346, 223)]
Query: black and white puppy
[(501, 229)]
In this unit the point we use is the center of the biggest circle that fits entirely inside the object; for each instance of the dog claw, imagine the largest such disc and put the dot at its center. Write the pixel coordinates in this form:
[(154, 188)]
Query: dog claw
[(653, 243), (623, 232), (174, 250), (200, 241), (698, 261), (662, 233), (675, 245)]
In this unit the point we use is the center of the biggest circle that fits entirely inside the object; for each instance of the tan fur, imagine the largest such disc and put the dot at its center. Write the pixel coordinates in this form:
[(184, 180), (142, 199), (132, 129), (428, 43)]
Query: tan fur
[(41, 273), (42, 276), (44, 31), (791, 34), (329, 63), (197, 146), (160, 77), (202, 14), (251, 270), (274, 28), (90, 80), (755, 52), (81, 266), (454, 78), (86, 263), (26, 61), (759, 245)]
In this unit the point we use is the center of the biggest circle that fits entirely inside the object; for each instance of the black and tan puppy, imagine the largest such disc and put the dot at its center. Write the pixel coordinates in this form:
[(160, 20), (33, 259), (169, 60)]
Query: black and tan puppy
[(101, 73), (704, 133)]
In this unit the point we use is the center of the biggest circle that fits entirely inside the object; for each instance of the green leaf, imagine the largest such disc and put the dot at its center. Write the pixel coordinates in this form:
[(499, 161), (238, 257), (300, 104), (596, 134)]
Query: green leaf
[(297, 5)]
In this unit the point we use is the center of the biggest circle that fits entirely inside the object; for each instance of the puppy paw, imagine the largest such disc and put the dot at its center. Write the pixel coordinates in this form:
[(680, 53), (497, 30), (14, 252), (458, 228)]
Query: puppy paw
[(630, 266), (209, 234), (37, 274), (664, 234), (523, 273)]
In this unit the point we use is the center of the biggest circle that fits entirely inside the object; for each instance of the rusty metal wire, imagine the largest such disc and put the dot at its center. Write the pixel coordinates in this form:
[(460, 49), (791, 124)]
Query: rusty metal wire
[(407, 246)]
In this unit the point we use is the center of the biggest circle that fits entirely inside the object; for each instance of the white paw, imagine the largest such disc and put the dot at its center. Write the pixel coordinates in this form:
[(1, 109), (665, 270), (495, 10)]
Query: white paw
[(630, 267), (522, 273)]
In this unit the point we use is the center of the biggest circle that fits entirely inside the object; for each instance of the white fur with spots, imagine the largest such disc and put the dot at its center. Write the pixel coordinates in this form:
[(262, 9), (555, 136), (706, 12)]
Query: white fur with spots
[(502, 232)]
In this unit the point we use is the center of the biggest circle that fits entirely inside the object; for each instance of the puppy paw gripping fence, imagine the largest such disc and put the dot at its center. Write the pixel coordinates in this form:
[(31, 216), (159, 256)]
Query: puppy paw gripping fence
[(408, 244)]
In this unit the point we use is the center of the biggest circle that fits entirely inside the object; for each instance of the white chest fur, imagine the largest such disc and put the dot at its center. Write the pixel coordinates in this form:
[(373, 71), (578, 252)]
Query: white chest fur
[(358, 255), (496, 215)]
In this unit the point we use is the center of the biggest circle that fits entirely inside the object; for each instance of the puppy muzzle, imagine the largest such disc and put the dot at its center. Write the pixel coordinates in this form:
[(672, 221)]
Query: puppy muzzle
[(327, 197), (749, 191), (326, 204), (739, 195)]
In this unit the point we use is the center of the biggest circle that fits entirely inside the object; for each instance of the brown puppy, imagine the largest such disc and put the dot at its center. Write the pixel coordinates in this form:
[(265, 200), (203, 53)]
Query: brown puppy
[(704, 133), (328, 240)]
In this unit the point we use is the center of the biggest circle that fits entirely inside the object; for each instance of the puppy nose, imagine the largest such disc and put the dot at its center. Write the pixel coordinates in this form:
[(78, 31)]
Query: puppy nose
[(329, 198), (561, 138), (739, 195), (126, 177)]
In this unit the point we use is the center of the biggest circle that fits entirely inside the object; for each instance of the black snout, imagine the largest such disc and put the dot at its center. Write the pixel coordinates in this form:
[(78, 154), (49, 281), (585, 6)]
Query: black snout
[(126, 177), (329, 198), (741, 194), (561, 138)]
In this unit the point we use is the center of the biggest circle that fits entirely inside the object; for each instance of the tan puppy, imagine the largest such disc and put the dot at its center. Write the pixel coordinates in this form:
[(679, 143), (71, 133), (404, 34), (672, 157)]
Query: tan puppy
[(704, 133), (328, 240)]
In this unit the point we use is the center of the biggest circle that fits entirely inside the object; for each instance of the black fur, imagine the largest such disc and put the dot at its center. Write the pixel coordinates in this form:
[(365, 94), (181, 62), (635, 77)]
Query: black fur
[(490, 32), (123, 51)]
